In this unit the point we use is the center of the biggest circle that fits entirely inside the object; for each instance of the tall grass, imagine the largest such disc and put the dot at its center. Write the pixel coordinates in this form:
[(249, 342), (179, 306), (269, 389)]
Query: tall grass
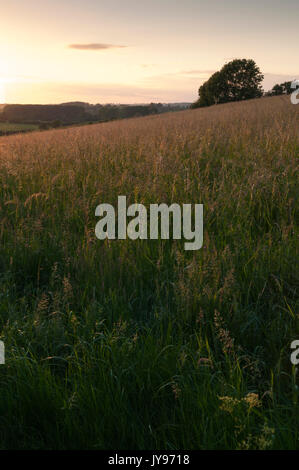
[(140, 344)]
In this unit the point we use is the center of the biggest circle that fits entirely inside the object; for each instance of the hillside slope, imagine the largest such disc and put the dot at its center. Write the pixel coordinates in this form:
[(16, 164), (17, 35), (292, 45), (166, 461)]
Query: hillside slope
[(127, 344)]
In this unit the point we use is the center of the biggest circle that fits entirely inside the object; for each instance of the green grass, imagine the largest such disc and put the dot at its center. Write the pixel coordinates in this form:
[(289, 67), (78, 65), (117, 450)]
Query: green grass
[(12, 127), (140, 344)]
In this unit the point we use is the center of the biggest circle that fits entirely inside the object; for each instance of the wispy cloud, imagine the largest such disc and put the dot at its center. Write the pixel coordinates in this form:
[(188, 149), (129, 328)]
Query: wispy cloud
[(94, 46), (197, 72), (145, 66)]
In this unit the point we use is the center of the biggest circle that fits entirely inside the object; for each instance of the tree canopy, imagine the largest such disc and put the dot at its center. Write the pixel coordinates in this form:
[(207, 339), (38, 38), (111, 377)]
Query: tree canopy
[(281, 89), (238, 80)]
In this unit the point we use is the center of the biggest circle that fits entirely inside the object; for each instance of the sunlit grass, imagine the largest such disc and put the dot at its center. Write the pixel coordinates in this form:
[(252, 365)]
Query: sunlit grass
[(140, 344)]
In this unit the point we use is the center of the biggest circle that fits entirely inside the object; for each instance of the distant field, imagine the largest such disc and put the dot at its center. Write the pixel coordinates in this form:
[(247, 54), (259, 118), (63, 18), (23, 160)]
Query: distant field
[(11, 127), (141, 344)]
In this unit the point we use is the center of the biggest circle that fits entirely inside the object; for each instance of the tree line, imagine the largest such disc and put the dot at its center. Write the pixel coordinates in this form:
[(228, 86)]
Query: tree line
[(284, 88), (46, 116)]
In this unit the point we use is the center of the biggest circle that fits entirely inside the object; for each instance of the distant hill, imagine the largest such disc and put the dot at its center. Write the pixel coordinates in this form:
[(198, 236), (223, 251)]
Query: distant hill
[(29, 113), (179, 105), (75, 103), (79, 112)]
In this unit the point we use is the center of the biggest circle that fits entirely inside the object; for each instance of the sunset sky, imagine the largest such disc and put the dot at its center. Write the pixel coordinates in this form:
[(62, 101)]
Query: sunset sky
[(137, 51)]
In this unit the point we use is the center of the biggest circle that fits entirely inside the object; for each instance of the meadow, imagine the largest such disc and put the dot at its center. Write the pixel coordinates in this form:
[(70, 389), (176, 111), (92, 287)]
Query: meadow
[(10, 127), (123, 344)]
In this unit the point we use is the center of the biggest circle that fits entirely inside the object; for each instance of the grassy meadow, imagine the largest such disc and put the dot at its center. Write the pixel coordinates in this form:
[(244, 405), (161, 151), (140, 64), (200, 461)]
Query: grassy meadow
[(141, 344), (12, 127)]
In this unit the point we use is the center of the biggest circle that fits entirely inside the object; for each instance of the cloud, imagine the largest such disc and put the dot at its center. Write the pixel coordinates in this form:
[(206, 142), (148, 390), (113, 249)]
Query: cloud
[(197, 72), (147, 65), (94, 47)]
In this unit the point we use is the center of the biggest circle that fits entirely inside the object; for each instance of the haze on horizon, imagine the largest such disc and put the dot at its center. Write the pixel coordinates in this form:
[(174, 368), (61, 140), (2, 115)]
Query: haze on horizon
[(138, 51)]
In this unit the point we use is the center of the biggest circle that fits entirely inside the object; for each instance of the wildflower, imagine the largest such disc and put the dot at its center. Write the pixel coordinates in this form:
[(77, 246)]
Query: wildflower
[(228, 404), (223, 334), (252, 400)]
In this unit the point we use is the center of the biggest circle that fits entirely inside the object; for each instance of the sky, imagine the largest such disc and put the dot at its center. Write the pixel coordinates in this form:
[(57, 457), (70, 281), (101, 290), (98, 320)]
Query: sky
[(138, 51)]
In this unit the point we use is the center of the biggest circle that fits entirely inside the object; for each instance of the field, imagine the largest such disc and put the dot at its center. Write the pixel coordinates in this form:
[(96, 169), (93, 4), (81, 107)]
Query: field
[(11, 127), (122, 344)]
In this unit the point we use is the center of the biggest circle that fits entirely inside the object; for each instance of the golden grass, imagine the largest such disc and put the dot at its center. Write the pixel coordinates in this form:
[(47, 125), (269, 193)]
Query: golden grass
[(106, 327)]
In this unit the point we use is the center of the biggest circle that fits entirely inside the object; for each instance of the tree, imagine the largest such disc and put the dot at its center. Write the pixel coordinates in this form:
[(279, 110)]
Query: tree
[(238, 80), (283, 88), (277, 90)]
